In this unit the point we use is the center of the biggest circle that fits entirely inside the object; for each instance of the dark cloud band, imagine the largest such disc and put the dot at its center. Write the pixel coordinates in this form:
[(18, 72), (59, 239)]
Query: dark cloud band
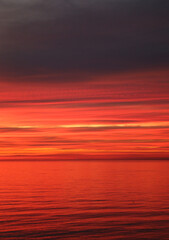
[(70, 36)]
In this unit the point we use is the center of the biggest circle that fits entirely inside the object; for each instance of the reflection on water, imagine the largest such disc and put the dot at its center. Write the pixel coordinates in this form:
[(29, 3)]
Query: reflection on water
[(84, 200)]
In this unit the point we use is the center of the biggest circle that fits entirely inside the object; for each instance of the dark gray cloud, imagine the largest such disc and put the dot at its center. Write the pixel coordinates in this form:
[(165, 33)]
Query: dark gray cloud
[(83, 36)]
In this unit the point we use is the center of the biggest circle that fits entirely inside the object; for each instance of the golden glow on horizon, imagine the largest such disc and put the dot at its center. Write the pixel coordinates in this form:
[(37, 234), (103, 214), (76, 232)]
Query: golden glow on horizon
[(143, 124), (146, 124)]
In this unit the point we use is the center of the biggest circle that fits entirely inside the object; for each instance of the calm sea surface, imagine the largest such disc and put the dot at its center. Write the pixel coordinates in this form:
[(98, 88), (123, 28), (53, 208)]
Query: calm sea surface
[(84, 200)]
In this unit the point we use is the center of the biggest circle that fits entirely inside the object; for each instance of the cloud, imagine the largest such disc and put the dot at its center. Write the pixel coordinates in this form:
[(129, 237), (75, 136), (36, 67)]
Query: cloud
[(16, 129), (104, 127), (71, 36), (83, 102)]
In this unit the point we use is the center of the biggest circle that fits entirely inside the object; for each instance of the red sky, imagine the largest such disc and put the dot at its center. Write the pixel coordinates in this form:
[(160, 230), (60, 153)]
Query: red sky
[(96, 118), (86, 80)]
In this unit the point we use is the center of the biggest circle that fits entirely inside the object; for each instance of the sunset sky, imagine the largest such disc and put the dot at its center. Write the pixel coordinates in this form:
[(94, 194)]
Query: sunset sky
[(84, 79)]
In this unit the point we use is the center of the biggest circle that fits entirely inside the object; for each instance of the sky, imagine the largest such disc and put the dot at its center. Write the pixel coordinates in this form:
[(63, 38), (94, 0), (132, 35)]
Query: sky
[(84, 79)]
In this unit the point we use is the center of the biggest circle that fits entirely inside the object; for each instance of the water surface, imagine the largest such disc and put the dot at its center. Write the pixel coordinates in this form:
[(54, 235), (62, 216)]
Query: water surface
[(84, 200)]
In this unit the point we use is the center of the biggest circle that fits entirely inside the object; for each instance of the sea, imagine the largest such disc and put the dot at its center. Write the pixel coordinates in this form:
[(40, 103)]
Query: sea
[(84, 200)]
